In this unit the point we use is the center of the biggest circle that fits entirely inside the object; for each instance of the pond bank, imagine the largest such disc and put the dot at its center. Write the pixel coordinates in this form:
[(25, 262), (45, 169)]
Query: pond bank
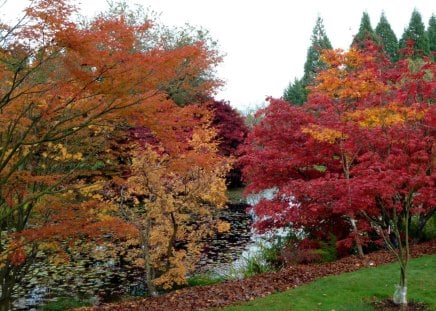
[(229, 292)]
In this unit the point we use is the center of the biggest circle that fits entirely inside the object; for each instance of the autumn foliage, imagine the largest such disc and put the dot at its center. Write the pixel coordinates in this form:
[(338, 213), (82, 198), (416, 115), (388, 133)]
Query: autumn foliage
[(356, 160), (231, 133), (357, 154), (67, 91)]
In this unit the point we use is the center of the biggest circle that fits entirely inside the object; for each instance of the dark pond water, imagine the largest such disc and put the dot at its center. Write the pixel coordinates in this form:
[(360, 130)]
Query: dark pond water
[(110, 280), (227, 247)]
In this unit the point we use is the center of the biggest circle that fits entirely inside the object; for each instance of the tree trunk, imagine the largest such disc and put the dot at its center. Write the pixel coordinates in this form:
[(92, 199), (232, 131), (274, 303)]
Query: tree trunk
[(5, 303), (6, 294), (356, 238), (149, 273), (400, 295)]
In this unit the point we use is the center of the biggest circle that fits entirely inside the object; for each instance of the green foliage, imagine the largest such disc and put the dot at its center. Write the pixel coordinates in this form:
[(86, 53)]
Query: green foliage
[(431, 34), (65, 303), (295, 93), (353, 291), (416, 32), (298, 249), (267, 258), (328, 249), (272, 254), (255, 265), (365, 32), (430, 229), (319, 42), (427, 233), (387, 37)]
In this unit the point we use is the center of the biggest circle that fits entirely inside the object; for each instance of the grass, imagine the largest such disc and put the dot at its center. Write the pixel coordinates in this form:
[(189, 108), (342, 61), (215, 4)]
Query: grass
[(353, 291), (65, 303)]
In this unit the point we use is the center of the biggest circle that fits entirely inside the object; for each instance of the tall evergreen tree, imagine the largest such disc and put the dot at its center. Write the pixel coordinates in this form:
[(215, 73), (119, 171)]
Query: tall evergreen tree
[(320, 42), (365, 32), (431, 34), (296, 92), (387, 37), (416, 32)]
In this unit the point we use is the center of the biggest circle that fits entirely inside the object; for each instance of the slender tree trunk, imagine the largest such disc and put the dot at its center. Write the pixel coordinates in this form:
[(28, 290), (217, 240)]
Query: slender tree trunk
[(172, 240), (5, 304), (356, 238), (149, 271), (346, 167), (6, 288), (400, 295)]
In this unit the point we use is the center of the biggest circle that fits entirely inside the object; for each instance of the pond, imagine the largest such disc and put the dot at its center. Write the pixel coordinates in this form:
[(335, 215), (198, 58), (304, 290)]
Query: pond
[(110, 280)]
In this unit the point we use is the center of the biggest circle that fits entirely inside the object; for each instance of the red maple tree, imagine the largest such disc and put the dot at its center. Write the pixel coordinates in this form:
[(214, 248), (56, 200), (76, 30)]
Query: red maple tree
[(359, 153)]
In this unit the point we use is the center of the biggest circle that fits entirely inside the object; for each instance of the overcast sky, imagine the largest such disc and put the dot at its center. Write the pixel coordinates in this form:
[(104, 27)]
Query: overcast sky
[(265, 42)]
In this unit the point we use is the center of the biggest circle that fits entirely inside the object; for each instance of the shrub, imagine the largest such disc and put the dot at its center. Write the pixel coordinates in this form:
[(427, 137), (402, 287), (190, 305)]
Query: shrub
[(306, 251), (255, 265), (301, 252)]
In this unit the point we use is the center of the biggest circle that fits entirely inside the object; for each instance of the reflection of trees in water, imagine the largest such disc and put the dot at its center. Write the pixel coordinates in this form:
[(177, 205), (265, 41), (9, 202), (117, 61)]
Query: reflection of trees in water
[(109, 279), (226, 247)]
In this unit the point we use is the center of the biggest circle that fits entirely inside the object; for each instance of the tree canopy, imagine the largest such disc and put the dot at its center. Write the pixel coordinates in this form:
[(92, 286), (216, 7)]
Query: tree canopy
[(67, 90), (366, 32), (431, 34), (296, 92), (356, 159), (387, 37), (415, 31)]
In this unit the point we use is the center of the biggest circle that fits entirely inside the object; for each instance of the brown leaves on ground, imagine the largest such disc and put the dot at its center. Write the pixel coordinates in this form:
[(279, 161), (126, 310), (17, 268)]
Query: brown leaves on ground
[(389, 305), (229, 292)]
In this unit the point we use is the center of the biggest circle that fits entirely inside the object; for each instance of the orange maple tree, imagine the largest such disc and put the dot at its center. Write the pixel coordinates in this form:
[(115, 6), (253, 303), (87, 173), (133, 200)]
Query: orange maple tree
[(64, 88), (173, 193)]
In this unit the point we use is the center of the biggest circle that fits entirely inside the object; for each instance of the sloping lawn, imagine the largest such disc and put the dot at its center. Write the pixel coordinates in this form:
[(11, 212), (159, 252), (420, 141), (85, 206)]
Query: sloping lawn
[(352, 291)]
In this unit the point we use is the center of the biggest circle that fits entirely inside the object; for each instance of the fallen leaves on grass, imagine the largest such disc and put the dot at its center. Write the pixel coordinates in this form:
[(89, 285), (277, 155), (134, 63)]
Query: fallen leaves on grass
[(389, 305)]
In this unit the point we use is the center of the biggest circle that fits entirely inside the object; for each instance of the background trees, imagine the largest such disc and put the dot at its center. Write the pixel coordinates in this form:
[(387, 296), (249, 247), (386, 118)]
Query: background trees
[(231, 133), (387, 37), (314, 64), (366, 32), (416, 31), (431, 34), (296, 92)]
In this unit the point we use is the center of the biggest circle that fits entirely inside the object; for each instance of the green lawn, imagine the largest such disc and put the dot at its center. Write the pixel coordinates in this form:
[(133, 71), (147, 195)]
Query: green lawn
[(352, 291)]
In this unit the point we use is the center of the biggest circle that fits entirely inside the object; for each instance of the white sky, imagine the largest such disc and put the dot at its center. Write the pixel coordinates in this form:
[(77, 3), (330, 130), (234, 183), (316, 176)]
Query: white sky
[(265, 42)]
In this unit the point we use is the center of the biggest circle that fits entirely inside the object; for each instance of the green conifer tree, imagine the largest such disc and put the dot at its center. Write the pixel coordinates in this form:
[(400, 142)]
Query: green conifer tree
[(387, 37), (320, 42), (416, 32), (365, 32), (296, 92), (431, 34)]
